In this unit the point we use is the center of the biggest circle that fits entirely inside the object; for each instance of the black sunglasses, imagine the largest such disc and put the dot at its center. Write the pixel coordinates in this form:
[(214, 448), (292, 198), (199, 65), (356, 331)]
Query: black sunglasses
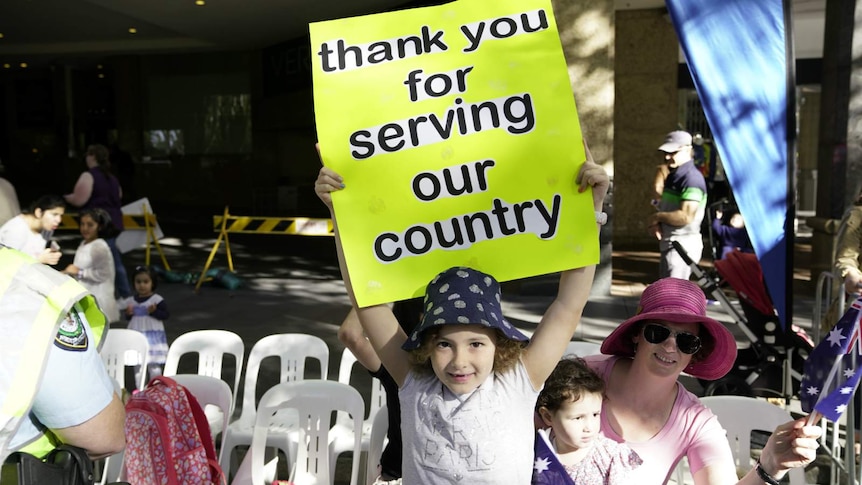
[(687, 343)]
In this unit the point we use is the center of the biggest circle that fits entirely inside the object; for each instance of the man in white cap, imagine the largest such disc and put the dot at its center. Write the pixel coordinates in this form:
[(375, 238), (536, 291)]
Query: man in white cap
[(681, 207)]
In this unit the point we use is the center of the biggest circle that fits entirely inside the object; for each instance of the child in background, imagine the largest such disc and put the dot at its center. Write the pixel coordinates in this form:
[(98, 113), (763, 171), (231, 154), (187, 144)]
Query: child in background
[(93, 265), (572, 450), (146, 312), (732, 235), (468, 380)]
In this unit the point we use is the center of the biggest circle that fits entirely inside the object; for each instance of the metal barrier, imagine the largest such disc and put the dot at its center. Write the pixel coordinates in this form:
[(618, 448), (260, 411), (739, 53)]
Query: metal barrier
[(133, 222), (227, 223), (823, 300)]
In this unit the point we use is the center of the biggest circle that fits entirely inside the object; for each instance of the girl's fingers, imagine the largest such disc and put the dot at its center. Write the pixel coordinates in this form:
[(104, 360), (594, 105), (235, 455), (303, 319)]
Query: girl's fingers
[(327, 186), (327, 182), (590, 175), (587, 151), (328, 176)]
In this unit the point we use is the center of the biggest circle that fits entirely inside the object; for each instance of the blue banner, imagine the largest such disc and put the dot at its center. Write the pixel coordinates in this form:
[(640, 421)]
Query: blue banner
[(737, 55)]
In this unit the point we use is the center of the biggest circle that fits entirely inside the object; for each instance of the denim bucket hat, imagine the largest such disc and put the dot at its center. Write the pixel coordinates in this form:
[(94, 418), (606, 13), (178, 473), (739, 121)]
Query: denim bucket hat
[(462, 295)]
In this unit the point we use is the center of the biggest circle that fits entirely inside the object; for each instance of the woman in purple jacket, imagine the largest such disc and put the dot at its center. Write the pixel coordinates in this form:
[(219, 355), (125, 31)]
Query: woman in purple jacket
[(98, 188)]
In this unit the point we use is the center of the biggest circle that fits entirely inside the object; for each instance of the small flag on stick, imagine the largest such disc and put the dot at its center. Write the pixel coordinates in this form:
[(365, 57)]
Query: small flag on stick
[(831, 370), (547, 469)]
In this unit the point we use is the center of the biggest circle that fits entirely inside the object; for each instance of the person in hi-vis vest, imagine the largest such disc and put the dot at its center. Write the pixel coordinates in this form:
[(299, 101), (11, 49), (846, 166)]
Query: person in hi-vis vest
[(53, 385)]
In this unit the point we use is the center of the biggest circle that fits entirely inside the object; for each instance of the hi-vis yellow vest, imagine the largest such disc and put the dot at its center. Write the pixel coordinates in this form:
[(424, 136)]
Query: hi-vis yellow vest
[(34, 299)]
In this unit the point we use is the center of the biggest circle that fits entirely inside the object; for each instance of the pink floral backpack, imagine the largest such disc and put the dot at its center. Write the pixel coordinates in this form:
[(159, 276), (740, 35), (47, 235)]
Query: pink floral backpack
[(168, 438)]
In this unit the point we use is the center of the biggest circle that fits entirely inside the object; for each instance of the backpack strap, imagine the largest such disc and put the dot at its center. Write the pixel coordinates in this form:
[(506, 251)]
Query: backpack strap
[(201, 422), (218, 475)]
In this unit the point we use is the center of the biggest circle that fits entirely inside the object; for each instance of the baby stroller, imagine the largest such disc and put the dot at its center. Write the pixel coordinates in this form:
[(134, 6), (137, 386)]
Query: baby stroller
[(772, 365)]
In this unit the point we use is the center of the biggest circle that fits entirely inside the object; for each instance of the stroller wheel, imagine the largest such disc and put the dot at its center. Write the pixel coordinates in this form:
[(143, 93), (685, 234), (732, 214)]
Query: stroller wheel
[(729, 385)]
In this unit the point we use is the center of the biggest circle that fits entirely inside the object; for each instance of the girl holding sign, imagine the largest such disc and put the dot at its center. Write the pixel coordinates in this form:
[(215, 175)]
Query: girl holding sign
[(468, 380)]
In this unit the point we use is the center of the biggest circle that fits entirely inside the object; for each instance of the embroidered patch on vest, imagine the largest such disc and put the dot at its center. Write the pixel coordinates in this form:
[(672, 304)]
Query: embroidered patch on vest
[(72, 335)]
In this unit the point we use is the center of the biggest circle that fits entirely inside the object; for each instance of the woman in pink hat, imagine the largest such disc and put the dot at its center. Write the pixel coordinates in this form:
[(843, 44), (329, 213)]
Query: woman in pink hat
[(648, 409)]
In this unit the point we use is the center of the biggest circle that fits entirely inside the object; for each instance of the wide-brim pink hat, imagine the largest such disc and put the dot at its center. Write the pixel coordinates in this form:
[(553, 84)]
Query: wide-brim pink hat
[(678, 301)]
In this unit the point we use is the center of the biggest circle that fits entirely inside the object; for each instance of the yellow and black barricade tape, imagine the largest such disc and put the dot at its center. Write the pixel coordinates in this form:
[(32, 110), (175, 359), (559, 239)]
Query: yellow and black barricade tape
[(132, 222), (69, 222), (226, 223), (299, 226), (135, 222)]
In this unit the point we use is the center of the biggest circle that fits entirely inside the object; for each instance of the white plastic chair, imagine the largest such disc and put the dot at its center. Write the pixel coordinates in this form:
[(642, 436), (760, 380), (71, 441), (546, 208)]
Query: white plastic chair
[(211, 347), (292, 349), (739, 416), (582, 348), (376, 444), (342, 433), (125, 348), (209, 391), (314, 402)]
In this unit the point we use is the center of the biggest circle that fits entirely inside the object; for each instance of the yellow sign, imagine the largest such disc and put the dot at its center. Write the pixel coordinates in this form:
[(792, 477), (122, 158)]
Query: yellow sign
[(456, 133)]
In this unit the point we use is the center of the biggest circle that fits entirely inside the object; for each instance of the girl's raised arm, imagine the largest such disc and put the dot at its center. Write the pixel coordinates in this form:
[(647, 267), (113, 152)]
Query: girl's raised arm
[(559, 322), (378, 321)]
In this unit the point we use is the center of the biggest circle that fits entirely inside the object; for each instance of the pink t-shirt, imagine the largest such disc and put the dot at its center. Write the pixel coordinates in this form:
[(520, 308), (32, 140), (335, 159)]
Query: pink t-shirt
[(691, 431)]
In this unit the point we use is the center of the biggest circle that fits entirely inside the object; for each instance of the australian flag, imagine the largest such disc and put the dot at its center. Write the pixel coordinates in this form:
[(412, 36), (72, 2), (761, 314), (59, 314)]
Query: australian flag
[(832, 369), (547, 469)]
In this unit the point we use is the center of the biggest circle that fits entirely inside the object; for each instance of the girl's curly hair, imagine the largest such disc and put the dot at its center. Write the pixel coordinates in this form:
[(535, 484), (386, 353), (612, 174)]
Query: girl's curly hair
[(569, 381), (506, 354)]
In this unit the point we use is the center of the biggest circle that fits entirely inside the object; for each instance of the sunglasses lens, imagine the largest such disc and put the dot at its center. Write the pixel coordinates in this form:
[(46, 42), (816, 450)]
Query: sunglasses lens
[(687, 343), (656, 334)]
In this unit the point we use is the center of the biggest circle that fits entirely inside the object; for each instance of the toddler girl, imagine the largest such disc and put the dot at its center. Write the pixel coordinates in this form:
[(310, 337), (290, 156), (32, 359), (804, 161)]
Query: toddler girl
[(573, 450), (146, 312)]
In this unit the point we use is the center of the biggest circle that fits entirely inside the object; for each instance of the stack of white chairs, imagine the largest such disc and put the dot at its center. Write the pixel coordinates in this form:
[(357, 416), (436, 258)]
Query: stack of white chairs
[(739, 416), (313, 401), (341, 435), (210, 346), (377, 442), (209, 391), (292, 350), (123, 348)]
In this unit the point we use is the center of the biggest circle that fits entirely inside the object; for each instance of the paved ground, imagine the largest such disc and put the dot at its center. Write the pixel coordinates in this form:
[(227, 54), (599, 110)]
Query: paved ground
[(292, 284)]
